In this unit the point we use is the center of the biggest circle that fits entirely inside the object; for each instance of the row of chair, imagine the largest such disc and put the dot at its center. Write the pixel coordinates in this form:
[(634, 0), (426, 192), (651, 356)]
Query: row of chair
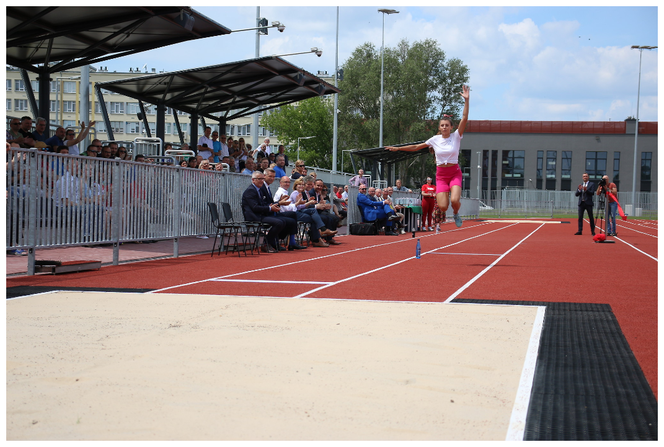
[(243, 235)]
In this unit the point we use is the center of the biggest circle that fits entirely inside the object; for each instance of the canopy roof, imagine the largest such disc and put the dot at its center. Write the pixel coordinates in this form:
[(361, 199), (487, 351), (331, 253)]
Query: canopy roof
[(379, 154), (233, 89), (62, 38)]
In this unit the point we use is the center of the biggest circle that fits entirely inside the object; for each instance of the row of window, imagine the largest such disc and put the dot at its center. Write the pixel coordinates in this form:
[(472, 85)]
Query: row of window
[(512, 169), (171, 129)]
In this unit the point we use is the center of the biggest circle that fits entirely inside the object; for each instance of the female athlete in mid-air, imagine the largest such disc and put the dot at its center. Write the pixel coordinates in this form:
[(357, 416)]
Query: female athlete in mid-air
[(446, 148)]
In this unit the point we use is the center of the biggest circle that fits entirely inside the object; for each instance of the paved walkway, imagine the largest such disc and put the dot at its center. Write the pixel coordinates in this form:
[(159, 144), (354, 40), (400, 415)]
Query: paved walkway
[(130, 251)]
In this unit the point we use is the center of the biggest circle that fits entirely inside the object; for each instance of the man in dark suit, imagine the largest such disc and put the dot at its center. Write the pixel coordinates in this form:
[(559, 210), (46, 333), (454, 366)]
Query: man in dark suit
[(585, 192), (257, 206)]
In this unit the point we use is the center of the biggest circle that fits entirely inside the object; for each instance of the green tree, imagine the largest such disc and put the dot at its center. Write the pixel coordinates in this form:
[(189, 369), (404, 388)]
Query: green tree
[(420, 85), (311, 117)]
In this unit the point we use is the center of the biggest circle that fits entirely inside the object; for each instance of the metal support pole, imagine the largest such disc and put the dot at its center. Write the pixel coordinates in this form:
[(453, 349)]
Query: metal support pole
[(116, 209), (104, 113)]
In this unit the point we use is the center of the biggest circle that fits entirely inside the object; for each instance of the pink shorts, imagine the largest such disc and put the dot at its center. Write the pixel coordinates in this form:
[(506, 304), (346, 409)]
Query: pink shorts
[(446, 177)]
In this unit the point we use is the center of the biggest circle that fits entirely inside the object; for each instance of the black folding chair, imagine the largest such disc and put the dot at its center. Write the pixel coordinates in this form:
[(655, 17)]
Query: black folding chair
[(225, 230), (252, 232)]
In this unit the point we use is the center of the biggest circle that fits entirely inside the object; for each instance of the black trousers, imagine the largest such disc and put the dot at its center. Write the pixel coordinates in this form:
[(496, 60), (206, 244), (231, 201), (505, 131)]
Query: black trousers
[(585, 207)]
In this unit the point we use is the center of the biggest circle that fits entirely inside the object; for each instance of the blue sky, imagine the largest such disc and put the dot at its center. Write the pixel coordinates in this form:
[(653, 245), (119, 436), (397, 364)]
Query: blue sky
[(526, 63)]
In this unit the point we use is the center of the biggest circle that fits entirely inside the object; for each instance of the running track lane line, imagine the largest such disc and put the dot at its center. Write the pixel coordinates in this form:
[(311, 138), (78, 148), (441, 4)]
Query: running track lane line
[(651, 257), (465, 286), (396, 263), (304, 260)]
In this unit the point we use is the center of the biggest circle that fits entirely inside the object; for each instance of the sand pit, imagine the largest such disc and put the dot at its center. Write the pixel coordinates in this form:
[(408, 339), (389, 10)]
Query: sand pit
[(110, 366)]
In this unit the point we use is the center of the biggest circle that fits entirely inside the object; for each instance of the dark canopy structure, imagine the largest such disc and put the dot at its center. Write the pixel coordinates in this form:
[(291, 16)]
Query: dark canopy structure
[(382, 161), (46, 40), (62, 38), (221, 92)]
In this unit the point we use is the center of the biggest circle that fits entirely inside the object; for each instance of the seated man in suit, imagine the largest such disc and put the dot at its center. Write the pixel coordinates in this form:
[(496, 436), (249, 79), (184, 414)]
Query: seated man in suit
[(257, 206), (376, 210)]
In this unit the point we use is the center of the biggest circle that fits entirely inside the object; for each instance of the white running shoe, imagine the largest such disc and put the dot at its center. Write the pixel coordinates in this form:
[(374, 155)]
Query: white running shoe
[(457, 220)]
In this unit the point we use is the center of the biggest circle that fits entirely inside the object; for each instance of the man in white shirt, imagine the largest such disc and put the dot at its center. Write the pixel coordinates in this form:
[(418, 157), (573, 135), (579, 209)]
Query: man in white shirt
[(206, 151)]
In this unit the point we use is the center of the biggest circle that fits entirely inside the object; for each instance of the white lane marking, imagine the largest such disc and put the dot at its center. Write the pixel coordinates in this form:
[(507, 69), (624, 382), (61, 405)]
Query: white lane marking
[(397, 263), (306, 260), (651, 257), (517, 425), (269, 281), (467, 254), (468, 284)]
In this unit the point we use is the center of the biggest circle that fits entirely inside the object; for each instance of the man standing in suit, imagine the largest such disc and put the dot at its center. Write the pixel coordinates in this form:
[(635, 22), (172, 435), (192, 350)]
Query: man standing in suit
[(585, 193), (257, 206)]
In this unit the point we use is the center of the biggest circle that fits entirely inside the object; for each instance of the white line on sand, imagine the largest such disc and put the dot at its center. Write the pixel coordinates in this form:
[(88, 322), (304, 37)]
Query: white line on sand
[(517, 425)]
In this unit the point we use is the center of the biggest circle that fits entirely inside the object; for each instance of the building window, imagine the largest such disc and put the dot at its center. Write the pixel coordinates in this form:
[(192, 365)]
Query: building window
[(9, 105), (485, 170), (20, 105), (69, 87), (54, 106), (116, 108), (494, 170), (101, 126), (133, 127), (35, 86), (513, 162), (566, 171), (9, 85), (595, 164), (540, 169), (69, 106), (55, 86), (551, 158), (616, 169), (70, 124), (133, 108), (646, 165), (117, 126), (464, 164), (19, 86), (151, 110)]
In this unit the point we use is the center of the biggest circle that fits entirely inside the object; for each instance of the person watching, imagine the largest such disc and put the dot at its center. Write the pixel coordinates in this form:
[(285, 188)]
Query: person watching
[(585, 192), (375, 210), (249, 166), (280, 164), (205, 144), (358, 179), (612, 204)]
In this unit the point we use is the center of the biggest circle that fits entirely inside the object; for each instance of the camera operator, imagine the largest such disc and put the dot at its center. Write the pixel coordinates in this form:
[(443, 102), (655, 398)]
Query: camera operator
[(585, 193), (604, 186)]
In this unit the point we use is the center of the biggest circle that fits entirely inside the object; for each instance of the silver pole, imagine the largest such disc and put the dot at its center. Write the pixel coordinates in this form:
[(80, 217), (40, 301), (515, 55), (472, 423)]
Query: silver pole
[(636, 137), (382, 69), (336, 102), (479, 173), (254, 132)]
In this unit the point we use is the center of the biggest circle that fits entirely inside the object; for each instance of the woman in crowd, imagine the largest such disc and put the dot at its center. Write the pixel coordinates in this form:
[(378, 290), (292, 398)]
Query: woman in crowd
[(428, 203), (306, 212), (446, 147)]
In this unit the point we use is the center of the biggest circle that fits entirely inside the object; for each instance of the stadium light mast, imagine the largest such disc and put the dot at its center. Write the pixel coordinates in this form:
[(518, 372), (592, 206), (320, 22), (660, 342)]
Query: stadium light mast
[(636, 132)]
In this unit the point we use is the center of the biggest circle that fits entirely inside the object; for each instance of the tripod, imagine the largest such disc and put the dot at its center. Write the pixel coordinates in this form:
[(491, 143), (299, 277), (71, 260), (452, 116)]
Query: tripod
[(602, 216)]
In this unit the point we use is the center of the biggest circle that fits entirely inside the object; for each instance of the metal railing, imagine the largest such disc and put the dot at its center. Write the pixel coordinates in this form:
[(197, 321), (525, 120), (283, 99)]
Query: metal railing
[(58, 200)]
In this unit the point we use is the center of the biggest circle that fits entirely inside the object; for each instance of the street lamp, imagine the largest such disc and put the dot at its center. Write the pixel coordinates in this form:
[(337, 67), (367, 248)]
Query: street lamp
[(382, 69), (316, 50), (636, 133), (298, 144), (278, 25)]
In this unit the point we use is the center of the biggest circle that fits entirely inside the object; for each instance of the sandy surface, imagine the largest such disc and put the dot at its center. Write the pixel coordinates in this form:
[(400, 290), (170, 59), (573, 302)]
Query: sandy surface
[(108, 366)]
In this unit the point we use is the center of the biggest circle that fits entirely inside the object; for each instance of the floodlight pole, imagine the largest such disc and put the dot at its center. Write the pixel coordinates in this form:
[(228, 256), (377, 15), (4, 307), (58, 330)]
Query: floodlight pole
[(336, 103), (382, 70), (254, 132), (636, 132)]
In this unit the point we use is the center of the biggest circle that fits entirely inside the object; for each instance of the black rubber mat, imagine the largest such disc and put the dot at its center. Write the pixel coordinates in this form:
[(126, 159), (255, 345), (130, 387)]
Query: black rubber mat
[(587, 384), (14, 292)]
